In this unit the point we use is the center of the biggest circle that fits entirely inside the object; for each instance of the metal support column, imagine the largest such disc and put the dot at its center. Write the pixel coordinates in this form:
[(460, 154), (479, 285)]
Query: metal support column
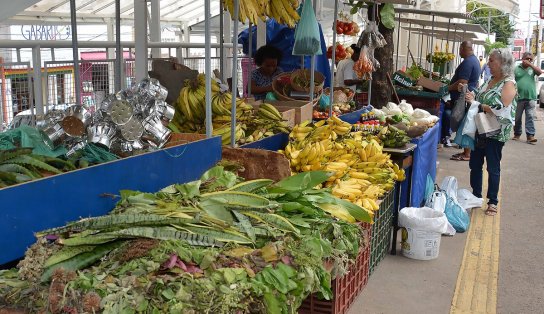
[(221, 44), (118, 50), (398, 47), (37, 69), (408, 45), (155, 26), (140, 42), (234, 74), (333, 54), (208, 68), (75, 53), (250, 54), (432, 49)]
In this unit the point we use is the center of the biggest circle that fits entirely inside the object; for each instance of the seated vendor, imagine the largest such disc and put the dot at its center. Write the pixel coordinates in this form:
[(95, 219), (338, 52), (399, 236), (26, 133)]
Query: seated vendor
[(345, 75), (267, 58)]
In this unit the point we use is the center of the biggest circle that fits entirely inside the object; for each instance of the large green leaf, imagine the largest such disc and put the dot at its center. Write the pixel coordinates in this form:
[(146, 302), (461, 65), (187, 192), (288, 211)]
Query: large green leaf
[(387, 15), (218, 178), (300, 182)]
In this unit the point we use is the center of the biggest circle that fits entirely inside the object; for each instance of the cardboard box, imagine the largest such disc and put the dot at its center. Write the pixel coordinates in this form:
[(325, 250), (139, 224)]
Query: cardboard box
[(429, 84), (303, 109), (403, 79), (288, 114)]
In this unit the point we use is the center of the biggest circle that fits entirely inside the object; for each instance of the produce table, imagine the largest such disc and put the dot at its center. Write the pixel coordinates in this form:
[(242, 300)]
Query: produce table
[(274, 142), (421, 99), (424, 163), (53, 201), (352, 117), (404, 157)]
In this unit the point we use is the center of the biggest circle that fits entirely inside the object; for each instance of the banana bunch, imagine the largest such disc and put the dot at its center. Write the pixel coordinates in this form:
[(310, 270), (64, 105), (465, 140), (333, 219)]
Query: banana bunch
[(271, 118), (225, 132), (283, 11), (362, 172), (191, 100)]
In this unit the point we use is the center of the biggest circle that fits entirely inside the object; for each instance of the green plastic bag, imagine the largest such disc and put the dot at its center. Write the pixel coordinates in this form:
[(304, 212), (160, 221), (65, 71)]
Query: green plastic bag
[(307, 39)]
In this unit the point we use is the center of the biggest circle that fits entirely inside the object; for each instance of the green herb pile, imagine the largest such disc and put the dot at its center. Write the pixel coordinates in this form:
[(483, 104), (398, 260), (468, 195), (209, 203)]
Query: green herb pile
[(216, 245)]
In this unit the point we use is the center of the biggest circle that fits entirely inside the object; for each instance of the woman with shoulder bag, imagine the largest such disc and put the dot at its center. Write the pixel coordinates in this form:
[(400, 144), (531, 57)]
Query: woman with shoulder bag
[(497, 97)]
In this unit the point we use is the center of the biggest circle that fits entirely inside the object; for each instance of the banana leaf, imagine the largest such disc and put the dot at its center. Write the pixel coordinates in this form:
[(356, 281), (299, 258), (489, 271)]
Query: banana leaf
[(300, 182)]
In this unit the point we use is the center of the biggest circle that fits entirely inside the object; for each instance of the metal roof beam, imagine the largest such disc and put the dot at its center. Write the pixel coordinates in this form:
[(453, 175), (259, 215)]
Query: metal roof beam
[(85, 4), (190, 18), (58, 5), (65, 17), (181, 6), (104, 6)]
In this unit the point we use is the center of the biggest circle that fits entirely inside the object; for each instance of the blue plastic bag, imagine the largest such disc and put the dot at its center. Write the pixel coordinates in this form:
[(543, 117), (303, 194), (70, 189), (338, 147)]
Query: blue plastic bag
[(307, 37), (457, 216)]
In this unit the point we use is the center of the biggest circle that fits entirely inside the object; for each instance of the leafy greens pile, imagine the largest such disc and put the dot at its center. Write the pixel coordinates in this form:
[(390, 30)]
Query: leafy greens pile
[(215, 245)]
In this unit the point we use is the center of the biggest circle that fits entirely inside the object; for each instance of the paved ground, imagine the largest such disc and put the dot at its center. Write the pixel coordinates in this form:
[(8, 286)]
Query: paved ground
[(402, 285)]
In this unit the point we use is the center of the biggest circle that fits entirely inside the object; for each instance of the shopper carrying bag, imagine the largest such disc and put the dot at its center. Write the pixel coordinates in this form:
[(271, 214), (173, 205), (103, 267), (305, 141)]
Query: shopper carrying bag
[(496, 98)]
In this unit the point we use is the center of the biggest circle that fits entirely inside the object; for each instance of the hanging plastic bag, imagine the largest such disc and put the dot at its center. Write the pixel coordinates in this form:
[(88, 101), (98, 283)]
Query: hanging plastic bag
[(307, 39), (363, 66), (470, 124), (450, 185)]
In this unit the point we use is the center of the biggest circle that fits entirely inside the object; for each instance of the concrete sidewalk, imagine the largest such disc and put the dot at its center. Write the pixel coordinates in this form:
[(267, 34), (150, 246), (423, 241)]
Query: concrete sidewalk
[(403, 285)]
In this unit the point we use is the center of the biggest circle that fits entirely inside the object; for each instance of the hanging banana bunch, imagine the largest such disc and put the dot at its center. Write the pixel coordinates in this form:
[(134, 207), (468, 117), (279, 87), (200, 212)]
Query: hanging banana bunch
[(283, 11)]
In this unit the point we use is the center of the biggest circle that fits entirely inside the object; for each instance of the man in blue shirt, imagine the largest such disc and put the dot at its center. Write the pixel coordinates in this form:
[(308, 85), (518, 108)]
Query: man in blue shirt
[(467, 73)]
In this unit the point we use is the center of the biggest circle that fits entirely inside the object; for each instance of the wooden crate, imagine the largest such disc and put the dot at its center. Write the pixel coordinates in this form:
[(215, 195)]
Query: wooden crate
[(303, 109)]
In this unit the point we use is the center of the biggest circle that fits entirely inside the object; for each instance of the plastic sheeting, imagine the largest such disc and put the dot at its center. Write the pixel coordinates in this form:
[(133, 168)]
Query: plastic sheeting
[(424, 163), (283, 38)]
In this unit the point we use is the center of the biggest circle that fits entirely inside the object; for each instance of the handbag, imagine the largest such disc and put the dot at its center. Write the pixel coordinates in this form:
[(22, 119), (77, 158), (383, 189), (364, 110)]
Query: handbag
[(487, 124), (458, 111)]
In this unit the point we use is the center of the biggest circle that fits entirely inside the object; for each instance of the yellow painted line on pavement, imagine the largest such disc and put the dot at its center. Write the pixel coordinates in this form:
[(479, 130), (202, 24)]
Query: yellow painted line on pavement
[(476, 288)]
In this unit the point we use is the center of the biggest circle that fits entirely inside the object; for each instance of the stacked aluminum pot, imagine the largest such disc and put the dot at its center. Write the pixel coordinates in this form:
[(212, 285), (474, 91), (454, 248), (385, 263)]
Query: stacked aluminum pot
[(132, 121)]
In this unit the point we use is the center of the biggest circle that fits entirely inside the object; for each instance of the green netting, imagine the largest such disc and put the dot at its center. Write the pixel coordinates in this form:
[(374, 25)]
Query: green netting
[(28, 137), (95, 154)]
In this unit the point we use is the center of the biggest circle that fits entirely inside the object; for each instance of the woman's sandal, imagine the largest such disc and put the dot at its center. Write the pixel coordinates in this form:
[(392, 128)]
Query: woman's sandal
[(460, 157), (491, 210)]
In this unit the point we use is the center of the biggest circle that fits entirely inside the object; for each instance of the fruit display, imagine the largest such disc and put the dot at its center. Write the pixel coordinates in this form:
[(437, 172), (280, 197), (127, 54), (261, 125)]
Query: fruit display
[(283, 11), (215, 245), (393, 137), (364, 67), (320, 115), (340, 53), (362, 172), (250, 125), (347, 28)]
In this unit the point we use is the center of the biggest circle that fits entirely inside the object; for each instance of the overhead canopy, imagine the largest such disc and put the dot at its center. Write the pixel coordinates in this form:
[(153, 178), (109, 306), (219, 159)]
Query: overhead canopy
[(506, 6), (476, 28), (444, 34), (96, 11), (451, 15)]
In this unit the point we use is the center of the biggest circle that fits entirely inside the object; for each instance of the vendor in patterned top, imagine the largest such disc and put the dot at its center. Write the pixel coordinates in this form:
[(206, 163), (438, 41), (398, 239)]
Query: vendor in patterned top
[(267, 58), (495, 96)]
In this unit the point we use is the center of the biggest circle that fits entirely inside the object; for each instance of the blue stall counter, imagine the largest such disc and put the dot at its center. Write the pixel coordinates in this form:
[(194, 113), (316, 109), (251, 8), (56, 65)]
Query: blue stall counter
[(273, 143), (54, 201)]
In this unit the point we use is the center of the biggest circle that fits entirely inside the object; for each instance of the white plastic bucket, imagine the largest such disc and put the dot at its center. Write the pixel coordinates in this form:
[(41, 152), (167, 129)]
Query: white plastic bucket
[(420, 244)]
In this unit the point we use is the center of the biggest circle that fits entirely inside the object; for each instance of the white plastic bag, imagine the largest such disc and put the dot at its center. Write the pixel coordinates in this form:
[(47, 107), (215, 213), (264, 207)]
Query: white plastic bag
[(470, 125), (438, 201), (468, 200), (424, 218), (450, 186)]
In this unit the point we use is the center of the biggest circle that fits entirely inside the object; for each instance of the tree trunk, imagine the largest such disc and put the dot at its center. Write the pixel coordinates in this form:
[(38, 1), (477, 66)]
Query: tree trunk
[(381, 89)]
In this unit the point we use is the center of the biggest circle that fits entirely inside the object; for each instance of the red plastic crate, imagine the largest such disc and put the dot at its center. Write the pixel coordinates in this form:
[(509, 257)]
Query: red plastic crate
[(344, 289)]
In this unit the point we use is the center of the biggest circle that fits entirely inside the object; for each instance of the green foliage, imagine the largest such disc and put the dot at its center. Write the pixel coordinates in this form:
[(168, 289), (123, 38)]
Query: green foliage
[(387, 15), (500, 22), (489, 46)]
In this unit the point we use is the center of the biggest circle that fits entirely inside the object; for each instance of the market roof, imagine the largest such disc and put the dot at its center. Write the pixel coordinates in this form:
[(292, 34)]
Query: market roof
[(476, 28), (446, 14), (444, 34), (97, 11)]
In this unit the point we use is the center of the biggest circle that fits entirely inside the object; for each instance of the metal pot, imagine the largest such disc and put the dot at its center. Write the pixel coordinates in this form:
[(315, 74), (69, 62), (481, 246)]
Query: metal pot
[(75, 148), (132, 130), (54, 135), (101, 134), (158, 132), (120, 112), (76, 120), (164, 110)]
